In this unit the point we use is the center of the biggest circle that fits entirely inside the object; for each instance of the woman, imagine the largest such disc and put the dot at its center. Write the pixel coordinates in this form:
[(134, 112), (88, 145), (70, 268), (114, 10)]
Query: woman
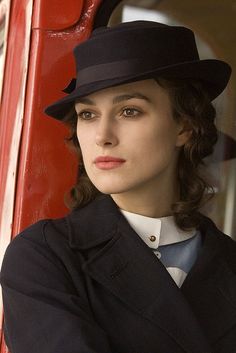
[(135, 267)]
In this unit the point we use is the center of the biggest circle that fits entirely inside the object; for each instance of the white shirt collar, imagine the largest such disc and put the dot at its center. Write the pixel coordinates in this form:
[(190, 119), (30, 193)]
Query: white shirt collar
[(157, 231)]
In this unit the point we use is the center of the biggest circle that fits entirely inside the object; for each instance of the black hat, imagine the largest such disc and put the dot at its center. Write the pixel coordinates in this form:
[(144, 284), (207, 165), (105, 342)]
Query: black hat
[(135, 51)]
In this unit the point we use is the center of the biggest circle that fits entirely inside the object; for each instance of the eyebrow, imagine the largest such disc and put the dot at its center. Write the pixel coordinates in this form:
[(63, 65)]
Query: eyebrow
[(125, 97), (117, 99)]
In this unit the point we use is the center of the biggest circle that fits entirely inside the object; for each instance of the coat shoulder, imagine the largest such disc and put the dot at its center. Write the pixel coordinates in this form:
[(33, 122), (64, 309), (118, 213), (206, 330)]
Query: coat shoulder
[(44, 242), (37, 234)]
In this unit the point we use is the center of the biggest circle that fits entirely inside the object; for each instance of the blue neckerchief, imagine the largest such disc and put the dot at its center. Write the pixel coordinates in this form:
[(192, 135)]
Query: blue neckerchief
[(182, 254)]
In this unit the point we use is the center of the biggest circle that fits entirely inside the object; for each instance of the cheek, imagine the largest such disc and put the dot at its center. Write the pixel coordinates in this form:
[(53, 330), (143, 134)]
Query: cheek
[(85, 144), (159, 141)]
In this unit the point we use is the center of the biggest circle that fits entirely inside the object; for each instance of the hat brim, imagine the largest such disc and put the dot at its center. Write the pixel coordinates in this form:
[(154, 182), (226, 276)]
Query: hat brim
[(214, 75)]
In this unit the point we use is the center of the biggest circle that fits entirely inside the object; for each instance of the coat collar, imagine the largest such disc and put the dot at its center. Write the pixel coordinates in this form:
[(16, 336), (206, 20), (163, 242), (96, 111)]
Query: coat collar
[(119, 260), (93, 224)]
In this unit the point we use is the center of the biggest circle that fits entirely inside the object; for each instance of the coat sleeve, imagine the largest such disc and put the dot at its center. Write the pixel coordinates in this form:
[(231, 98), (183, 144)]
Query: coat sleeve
[(43, 311)]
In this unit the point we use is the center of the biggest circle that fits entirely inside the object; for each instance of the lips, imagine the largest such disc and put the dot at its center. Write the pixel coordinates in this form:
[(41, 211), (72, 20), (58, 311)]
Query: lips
[(108, 162), (108, 159)]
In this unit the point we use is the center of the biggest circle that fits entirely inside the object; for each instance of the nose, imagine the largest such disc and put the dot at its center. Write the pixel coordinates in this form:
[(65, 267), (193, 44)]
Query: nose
[(106, 133)]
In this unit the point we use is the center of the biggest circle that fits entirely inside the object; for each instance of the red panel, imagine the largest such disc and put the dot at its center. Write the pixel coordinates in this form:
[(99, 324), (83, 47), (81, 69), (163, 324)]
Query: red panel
[(47, 168)]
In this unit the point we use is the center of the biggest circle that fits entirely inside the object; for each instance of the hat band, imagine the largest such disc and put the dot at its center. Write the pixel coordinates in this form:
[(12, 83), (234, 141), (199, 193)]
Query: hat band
[(109, 71)]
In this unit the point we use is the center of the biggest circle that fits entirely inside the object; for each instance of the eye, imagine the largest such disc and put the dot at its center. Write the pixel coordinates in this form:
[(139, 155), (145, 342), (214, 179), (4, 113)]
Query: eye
[(130, 112), (86, 115)]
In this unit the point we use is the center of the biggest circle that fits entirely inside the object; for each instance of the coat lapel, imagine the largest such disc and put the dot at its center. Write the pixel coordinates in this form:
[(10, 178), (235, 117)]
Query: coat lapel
[(123, 263), (210, 286)]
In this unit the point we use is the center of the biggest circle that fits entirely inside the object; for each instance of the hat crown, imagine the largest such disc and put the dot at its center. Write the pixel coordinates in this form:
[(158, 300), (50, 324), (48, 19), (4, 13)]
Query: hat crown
[(156, 45)]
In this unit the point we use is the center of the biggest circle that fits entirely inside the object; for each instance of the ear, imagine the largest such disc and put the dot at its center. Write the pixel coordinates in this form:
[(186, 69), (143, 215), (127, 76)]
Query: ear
[(184, 133)]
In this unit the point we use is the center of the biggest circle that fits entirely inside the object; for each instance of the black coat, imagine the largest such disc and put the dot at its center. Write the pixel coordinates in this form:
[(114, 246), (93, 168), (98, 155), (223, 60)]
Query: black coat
[(87, 283)]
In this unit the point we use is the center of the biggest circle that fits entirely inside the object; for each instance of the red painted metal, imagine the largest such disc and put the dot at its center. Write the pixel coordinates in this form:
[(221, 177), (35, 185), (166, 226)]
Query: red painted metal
[(57, 14), (46, 168), (12, 87)]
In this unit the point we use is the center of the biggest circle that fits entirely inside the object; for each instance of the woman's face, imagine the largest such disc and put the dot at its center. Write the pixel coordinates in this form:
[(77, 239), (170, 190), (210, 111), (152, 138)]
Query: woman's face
[(128, 137)]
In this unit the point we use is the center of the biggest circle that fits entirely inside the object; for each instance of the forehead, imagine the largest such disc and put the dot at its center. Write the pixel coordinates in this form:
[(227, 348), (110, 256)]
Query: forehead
[(148, 90)]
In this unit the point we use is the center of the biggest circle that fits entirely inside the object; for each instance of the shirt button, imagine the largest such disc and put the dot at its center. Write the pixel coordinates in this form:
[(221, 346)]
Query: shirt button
[(158, 254), (152, 238)]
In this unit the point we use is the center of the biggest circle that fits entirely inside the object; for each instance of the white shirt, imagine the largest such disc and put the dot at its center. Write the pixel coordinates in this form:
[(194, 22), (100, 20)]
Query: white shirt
[(156, 232)]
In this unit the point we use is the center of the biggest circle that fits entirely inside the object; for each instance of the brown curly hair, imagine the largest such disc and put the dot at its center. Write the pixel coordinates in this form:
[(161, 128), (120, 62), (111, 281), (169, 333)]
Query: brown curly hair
[(191, 102)]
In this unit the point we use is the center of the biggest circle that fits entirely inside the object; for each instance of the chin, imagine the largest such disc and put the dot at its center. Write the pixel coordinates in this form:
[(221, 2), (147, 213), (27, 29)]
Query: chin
[(110, 187)]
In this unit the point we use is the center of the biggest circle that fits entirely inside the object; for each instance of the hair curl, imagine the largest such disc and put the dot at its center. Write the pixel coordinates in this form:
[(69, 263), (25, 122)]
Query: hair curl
[(189, 102)]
